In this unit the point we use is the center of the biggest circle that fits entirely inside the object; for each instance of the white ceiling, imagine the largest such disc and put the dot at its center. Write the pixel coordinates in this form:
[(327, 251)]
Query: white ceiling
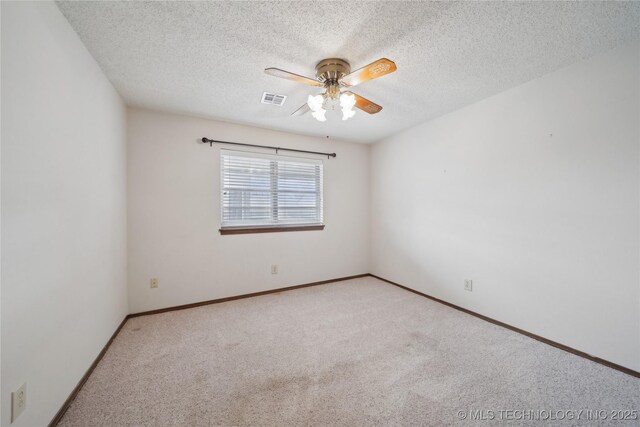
[(207, 58)]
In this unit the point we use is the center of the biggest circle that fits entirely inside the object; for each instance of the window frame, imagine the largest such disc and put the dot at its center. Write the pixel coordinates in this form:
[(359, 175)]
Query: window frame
[(270, 227)]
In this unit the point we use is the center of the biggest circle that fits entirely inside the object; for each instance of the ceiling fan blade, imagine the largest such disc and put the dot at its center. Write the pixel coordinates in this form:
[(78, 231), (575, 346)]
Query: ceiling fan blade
[(365, 105), (302, 110), (276, 72), (372, 71)]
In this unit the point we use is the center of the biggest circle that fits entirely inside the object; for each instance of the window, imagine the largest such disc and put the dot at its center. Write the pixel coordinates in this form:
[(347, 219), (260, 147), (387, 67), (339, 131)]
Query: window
[(262, 192)]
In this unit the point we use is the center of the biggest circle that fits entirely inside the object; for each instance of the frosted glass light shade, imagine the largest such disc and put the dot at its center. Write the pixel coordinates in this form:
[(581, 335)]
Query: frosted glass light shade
[(320, 115), (347, 100), (347, 114), (315, 102)]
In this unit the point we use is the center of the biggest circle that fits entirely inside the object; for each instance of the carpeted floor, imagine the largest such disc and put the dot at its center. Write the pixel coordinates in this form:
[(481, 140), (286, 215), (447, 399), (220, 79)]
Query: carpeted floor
[(352, 353)]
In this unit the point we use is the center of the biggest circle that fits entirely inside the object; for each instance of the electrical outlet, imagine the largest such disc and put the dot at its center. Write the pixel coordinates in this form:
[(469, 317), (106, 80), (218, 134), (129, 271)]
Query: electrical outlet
[(468, 285), (154, 282), (274, 269), (18, 401)]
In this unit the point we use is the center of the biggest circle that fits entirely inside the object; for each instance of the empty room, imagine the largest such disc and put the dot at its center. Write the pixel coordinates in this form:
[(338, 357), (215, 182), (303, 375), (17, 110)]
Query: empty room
[(320, 213)]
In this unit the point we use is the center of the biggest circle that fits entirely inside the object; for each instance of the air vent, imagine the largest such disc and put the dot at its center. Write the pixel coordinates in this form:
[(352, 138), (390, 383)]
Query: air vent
[(273, 99)]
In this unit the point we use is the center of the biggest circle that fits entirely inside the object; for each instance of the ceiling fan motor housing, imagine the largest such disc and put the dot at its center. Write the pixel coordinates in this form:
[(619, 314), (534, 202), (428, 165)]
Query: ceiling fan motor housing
[(330, 71)]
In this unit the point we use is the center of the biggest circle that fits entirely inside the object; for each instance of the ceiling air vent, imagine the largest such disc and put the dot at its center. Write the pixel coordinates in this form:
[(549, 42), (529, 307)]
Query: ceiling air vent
[(273, 99)]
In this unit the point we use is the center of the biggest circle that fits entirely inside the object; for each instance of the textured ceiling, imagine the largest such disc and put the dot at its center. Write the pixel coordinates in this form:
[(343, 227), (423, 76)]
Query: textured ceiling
[(207, 58)]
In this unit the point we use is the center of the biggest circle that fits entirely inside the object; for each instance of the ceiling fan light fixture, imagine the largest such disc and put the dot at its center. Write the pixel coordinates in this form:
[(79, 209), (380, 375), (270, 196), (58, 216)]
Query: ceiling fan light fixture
[(334, 74)]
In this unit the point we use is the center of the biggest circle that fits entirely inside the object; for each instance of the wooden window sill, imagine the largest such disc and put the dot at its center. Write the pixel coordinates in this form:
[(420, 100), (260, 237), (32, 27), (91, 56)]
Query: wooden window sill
[(251, 230)]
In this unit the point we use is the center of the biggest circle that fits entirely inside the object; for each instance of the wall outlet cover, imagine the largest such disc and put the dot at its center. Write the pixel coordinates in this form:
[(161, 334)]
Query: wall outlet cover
[(154, 282), (468, 285), (274, 269), (18, 401)]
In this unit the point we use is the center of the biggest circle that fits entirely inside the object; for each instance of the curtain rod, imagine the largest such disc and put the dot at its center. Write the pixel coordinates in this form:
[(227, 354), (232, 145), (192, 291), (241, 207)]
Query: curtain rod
[(211, 141)]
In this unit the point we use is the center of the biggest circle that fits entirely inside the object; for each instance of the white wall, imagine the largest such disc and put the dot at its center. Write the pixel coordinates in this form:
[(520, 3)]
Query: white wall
[(534, 195), (174, 215), (63, 209)]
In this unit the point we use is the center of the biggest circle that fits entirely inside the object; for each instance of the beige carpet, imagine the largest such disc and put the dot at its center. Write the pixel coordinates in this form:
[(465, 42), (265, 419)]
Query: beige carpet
[(353, 353)]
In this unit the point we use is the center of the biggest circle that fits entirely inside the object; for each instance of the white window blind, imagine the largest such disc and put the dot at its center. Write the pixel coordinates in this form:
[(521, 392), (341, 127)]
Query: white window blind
[(259, 190)]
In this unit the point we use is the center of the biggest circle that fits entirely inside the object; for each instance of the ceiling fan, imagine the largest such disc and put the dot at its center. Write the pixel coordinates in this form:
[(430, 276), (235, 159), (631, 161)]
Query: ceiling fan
[(335, 76)]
